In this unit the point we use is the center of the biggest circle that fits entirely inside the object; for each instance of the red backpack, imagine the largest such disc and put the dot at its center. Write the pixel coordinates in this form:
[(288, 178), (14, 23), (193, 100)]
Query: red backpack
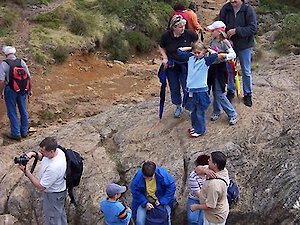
[(19, 80)]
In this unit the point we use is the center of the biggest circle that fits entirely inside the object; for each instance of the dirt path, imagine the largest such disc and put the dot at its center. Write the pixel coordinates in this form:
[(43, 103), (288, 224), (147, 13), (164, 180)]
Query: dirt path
[(87, 84)]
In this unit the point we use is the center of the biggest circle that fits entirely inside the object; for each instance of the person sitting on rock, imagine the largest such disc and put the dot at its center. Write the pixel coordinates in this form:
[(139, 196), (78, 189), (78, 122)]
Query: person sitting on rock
[(151, 186), (114, 211)]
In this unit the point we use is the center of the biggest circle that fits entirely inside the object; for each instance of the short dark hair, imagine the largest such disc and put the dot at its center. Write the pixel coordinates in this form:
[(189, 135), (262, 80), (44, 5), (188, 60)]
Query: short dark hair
[(148, 169), (202, 160), (179, 6), (193, 6), (49, 143), (219, 158)]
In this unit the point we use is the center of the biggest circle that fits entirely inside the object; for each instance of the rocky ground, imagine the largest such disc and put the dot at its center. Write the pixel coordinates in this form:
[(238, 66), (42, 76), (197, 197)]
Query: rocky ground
[(109, 112)]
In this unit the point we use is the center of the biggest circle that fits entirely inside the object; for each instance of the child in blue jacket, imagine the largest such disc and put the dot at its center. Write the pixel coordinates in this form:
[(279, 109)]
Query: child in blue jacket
[(198, 98)]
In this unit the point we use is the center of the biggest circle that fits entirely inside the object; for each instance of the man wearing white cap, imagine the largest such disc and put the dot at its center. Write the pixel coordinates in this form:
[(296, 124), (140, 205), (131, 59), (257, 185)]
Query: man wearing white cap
[(114, 211), (14, 87)]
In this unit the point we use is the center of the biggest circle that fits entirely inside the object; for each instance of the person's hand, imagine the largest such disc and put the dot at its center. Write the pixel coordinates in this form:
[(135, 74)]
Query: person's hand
[(165, 62), (157, 203), (30, 93), (221, 56), (1, 95), (149, 206), (194, 207), (210, 173), (231, 32)]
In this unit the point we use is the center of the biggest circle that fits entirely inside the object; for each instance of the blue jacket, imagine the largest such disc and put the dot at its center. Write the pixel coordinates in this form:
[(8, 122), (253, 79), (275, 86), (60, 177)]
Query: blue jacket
[(245, 23), (165, 185)]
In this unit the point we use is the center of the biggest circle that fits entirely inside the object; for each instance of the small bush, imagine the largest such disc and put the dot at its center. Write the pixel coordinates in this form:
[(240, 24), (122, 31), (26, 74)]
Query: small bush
[(78, 25), (50, 20), (7, 18), (139, 41), (40, 58), (118, 47), (286, 42), (60, 54)]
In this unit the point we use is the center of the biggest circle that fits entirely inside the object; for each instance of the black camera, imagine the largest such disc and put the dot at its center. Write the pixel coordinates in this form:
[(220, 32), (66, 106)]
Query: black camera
[(23, 159)]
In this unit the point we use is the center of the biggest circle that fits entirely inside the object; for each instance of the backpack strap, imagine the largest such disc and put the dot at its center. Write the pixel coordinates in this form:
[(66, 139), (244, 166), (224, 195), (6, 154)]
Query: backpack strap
[(219, 178)]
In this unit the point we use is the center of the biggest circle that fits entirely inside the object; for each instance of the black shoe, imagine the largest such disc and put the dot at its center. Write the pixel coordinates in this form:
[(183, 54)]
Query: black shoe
[(230, 95), (16, 138), (247, 100), (24, 135)]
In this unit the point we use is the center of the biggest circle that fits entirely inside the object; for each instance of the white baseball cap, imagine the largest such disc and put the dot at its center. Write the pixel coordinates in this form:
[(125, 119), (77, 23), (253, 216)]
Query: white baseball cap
[(9, 50), (217, 25)]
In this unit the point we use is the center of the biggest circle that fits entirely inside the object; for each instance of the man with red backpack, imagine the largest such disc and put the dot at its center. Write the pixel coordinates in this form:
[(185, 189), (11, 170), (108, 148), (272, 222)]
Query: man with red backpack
[(14, 87)]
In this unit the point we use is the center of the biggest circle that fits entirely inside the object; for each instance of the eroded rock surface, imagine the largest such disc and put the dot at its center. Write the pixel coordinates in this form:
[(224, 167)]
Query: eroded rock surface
[(263, 151)]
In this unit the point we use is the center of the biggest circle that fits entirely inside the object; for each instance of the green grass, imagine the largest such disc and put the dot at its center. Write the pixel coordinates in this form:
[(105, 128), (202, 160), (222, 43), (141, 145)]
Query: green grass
[(50, 20), (286, 42)]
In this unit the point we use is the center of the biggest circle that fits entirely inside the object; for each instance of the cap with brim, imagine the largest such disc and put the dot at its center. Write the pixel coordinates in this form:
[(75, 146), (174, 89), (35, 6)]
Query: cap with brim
[(9, 50), (113, 189), (217, 25)]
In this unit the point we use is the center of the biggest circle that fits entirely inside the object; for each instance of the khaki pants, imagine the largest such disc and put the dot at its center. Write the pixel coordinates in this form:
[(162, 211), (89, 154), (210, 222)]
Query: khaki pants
[(209, 223)]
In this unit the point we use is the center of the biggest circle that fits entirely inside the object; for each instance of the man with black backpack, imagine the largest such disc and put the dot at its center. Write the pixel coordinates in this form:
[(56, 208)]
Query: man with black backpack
[(51, 180), (14, 87)]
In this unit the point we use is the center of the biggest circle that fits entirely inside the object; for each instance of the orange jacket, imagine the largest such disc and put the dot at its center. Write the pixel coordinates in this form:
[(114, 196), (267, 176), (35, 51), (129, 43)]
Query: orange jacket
[(194, 25)]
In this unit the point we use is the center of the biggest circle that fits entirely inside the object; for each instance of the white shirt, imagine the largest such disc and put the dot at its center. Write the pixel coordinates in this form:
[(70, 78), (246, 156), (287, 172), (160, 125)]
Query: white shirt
[(52, 172)]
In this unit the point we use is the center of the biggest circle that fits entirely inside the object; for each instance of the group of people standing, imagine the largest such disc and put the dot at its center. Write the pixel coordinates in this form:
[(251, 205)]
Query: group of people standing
[(193, 70), (152, 186)]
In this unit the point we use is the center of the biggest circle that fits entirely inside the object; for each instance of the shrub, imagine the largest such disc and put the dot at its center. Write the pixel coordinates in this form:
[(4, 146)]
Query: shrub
[(60, 54), (285, 41), (139, 41), (40, 58), (118, 47), (7, 18), (50, 20), (78, 25)]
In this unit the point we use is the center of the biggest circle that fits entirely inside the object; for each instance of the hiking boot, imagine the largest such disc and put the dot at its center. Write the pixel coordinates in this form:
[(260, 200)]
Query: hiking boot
[(214, 116), (10, 136), (248, 100), (232, 120), (230, 95), (24, 135), (178, 112)]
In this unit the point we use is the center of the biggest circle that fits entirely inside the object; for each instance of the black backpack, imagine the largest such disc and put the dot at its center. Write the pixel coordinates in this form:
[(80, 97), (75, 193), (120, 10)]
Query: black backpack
[(74, 170), (157, 216), (19, 80)]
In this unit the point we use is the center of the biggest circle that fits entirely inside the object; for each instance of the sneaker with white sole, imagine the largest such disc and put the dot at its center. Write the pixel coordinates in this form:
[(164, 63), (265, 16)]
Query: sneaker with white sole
[(214, 116), (178, 112), (232, 120), (195, 135)]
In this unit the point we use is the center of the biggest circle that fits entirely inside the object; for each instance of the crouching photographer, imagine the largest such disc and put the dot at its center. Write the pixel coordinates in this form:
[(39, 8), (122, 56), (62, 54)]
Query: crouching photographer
[(50, 179)]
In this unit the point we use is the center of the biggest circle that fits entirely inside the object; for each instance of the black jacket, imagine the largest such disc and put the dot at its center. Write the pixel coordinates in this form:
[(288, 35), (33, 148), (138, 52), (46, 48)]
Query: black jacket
[(245, 23)]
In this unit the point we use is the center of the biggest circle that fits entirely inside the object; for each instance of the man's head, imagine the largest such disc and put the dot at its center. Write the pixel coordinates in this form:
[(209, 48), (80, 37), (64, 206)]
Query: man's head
[(148, 169), (217, 161), (8, 50), (114, 190), (48, 147), (236, 3), (193, 6)]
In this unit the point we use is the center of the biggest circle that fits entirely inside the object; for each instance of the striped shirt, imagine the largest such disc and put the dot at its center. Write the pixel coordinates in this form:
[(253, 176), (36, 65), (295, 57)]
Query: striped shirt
[(195, 184)]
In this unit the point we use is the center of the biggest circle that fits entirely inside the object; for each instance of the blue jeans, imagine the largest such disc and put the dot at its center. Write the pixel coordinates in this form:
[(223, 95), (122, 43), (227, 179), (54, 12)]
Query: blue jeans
[(221, 101), (177, 81), (196, 217), (141, 215), (244, 57), (198, 104), (13, 99)]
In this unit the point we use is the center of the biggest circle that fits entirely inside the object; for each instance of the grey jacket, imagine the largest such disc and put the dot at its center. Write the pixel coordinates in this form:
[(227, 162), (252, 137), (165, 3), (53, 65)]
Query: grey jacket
[(245, 23)]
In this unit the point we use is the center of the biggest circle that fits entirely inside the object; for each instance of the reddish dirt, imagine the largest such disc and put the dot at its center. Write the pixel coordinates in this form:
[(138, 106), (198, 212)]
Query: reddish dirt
[(83, 86)]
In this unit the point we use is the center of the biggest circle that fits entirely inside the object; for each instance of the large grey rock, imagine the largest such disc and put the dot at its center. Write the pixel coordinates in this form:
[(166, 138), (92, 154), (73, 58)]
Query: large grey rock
[(262, 149)]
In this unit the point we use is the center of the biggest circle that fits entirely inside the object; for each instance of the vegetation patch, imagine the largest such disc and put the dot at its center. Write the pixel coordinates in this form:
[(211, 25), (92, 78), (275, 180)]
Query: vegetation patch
[(139, 41), (50, 20), (60, 54), (286, 42)]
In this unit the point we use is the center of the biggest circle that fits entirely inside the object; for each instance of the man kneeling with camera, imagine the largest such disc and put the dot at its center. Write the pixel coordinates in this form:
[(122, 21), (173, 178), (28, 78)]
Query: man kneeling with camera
[(51, 179)]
